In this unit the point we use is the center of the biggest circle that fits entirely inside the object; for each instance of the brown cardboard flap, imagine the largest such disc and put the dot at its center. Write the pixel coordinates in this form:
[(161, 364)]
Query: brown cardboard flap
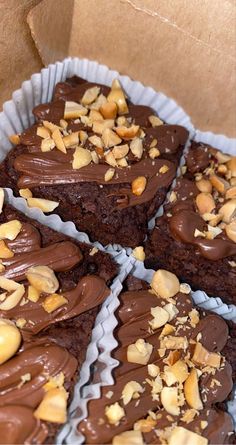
[(18, 55), (185, 48)]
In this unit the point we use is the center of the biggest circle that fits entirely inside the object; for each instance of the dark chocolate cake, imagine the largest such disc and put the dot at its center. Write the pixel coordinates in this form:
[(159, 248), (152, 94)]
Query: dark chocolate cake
[(196, 236), (172, 375), (105, 163)]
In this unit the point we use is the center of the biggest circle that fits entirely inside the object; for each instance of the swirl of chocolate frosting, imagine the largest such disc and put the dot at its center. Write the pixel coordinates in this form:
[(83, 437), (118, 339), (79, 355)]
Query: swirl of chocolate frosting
[(19, 426), (90, 292), (27, 240), (134, 315), (40, 361), (60, 256)]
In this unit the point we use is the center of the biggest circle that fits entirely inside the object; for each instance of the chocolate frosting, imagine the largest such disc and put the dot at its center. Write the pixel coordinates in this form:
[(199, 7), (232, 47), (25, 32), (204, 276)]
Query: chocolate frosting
[(134, 316), (19, 426), (184, 220), (53, 169), (90, 292), (41, 361)]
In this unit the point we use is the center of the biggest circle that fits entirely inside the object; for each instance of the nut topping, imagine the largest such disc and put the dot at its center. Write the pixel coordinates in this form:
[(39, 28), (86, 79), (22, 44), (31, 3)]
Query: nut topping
[(117, 95), (10, 339), (160, 315), (120, 151), (127, 133), (230, 230), (25, 193), (205, 203), (191, 390), (131, 391), (165, 283), (90, 95), (53, 406), (5, 252), (231, 164), (155, 121), (81, 158), (139, 352), (109, 174), (136, 147), (139, 253), (169, 400), (74, 110), (10, 230), (203, 357), (220, 184), (43, 204), (53, 302), (139, 185), (204, 185), (110, 138), (43, 279), (109, 110), (128, 438), (182, 436), (114, 413)]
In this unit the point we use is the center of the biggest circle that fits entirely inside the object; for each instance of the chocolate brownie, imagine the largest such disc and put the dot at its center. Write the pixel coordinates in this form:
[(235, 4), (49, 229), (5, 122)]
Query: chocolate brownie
[(196, 236), (51, 289), (106, 163), (172, 374)]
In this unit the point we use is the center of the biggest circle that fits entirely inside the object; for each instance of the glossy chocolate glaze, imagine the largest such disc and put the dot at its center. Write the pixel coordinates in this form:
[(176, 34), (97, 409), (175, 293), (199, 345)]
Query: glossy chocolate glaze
[(134, 316)]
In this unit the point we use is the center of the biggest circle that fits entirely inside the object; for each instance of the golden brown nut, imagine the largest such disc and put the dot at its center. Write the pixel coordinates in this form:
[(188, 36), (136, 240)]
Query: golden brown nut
[(10, 339)]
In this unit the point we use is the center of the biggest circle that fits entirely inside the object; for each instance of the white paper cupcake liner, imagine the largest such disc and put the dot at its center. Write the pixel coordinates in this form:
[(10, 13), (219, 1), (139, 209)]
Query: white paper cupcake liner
[(101, 337), (93, 390)]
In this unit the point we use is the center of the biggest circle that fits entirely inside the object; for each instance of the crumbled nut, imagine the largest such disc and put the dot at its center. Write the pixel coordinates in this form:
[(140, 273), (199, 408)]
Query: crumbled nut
[(81, 158), (109, 394), (56, 381), (93, 251), (222, 169), (214, 221), (160, 317), (222, 158), (43, 279), (83, 136), (220, 184), (127, 133), (172, 310), (98, 102), (231, 164), (171, 342), (53, 302), (136, 147), (21, 322), (117, 95), (194, 317), (228, 211), (50, 126), (10, 301), (153, 143), (109, 110), (90, 95), (172, 197), (58, 139), (10, 339), (24, 379), (165, 283), (102, 125), (121, 121), (203, 357), (10, 230), (199, 233), (114, 413), (145, 425), (153, 370), (120, 151), (131, 391), (14, 139), (95, 115), (53, 406), (154, 153), (181, 436), (128, 438), (43, 132), (230, 230), (167, 330), (2, 267), (155, 121), (74, 110), (25, 193), (96, 140), (43, 204), (109, 174), (156, 385), (231, 192), (169, 400), (5, 252), (95, 157), (191, 390), (63, 124), (139, 352), (47, 144), (139, 185), (232, 263), (205, 203), (172, 358), (163, 169), (139, 253), (189, 415), (122, 162), (110, 138), (180, 371), (109, 158), (71, 140), (204, 185)]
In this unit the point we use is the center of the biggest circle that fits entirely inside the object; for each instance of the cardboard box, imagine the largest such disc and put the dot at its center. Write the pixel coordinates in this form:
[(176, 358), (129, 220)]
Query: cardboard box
[(184, 48)]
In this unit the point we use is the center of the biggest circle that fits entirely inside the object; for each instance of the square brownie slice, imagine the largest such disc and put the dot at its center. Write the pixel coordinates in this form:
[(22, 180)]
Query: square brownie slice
[(106, 163), (51, 290), (196, 236), (172, 372)]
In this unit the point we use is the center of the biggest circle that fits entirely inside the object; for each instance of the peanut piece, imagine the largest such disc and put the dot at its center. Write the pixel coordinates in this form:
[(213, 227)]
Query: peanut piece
[(10, 339), (43, 279), (165, 283), (139, 185)]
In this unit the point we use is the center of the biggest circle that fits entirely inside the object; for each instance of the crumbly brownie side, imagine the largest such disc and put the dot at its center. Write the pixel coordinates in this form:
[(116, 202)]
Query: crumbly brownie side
[(112, 195), (164, 391), (195, 238)]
